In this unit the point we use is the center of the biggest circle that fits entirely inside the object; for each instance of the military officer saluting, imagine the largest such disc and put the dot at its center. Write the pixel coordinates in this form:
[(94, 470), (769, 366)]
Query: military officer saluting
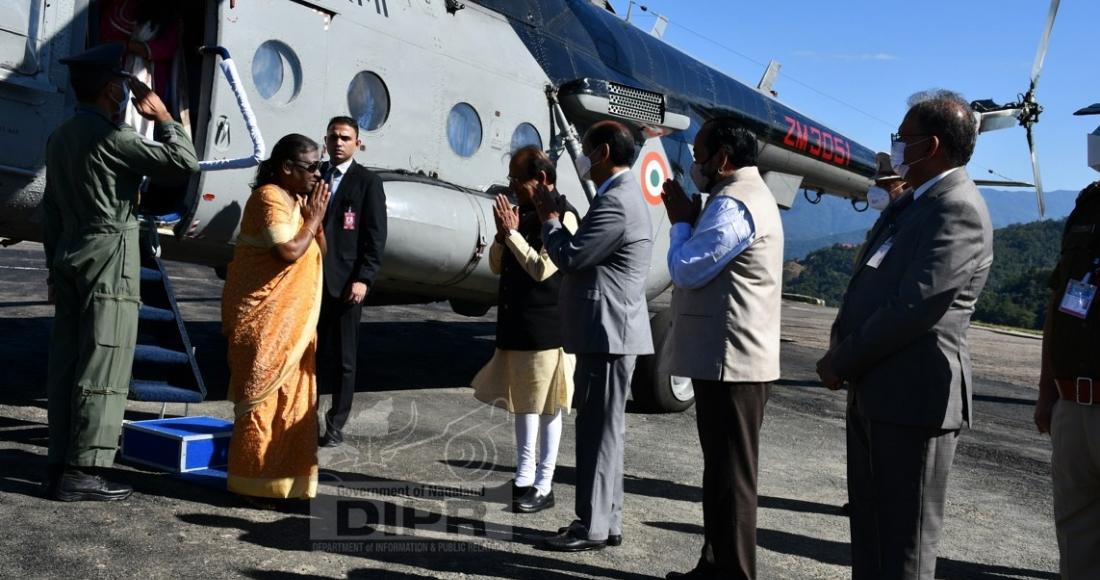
[(94, 166)]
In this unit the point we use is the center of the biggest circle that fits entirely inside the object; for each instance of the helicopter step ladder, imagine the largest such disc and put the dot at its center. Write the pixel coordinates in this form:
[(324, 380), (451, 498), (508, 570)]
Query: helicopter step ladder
[(165, 370)]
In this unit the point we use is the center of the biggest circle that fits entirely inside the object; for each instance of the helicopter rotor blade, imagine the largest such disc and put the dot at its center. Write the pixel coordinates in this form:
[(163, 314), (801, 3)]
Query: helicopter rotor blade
[(1035, 172), (1044, 42)]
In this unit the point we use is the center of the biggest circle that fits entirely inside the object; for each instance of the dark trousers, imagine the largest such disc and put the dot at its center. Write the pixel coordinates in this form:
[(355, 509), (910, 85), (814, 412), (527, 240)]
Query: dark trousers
[(897, 483), (729, 416), (602, 383), (338, 348)]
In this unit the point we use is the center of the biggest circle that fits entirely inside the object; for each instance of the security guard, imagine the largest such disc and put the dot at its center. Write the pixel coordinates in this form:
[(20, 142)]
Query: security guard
[(94, 166), (1069, 389)]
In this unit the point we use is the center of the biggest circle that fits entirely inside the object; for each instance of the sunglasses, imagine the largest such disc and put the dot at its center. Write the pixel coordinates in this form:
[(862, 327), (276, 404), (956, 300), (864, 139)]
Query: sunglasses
[(308, 167)]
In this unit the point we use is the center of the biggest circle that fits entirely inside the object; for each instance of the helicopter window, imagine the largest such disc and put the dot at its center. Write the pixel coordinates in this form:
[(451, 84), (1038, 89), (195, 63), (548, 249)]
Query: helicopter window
[(464, 130), (524, 135), (276, 72), (368, 100)]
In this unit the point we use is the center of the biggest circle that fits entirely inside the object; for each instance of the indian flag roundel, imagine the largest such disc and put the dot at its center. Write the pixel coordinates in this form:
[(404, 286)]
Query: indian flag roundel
[(654, 173)]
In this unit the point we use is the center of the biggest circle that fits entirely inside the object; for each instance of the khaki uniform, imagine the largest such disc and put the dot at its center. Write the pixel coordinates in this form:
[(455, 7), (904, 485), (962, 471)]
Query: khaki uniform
[(93, 170), (1071, 367)]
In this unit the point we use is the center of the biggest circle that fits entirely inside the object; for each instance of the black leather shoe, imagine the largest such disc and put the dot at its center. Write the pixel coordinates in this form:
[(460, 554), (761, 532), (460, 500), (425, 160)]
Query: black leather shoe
[(518, 491), (52, 480), (76, 485), (570, 542), (332, 438), (613, 540), (533, 501)]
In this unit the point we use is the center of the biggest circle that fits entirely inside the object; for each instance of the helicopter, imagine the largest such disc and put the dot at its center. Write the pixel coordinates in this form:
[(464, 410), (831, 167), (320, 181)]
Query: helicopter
[(443, 92)]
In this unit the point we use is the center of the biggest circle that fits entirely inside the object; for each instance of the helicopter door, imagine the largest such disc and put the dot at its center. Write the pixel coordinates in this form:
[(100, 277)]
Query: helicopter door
[(279, 48)]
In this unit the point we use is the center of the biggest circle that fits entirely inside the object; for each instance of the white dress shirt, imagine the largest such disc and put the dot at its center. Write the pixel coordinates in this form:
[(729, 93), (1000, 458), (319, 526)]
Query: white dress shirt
[(337, 174)]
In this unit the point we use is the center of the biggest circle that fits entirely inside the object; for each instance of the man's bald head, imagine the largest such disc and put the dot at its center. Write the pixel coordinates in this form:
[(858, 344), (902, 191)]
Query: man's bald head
[(947, 116)]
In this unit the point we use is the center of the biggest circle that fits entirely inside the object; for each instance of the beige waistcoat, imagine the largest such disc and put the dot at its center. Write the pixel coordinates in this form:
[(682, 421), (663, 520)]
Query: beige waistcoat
[(728, 330)]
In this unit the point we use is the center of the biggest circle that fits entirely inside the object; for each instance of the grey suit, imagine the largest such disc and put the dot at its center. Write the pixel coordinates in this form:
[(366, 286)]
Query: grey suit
[(605, 322), (901, 345)]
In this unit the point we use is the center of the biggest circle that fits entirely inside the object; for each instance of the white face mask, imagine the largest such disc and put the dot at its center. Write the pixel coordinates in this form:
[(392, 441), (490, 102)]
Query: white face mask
[(1094, 149), (120, 110), (700, 180), (584, 166), (897, 157), (878, 198)]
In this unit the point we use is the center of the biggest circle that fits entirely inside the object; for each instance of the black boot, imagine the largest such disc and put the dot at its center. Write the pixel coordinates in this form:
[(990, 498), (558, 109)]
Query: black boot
[(52, 480), (77, 485)]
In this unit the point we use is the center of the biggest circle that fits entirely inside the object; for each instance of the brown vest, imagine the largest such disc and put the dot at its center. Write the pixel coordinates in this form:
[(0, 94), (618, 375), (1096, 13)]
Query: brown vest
[(728, 330)]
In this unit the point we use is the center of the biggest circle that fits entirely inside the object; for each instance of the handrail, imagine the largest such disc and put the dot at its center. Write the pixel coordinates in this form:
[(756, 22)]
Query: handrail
[(259, 149)]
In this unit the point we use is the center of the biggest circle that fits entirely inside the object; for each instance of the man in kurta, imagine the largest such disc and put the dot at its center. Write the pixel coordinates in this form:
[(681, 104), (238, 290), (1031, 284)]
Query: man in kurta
[(94, 167)]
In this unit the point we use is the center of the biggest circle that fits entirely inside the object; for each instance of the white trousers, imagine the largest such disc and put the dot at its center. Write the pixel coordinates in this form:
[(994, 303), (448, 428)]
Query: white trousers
[(545, 431)]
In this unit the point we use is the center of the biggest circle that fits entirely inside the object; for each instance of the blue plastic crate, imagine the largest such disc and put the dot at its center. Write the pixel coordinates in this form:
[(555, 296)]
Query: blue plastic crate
[(177, 445)]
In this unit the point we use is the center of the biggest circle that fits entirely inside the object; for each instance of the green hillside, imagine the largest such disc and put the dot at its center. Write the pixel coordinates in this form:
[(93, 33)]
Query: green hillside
[(1015, 295), (807, 227)]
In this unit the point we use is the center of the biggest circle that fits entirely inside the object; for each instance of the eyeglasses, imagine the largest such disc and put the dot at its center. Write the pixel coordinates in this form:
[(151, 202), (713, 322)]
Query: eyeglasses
[(307, 167), (895, 137)]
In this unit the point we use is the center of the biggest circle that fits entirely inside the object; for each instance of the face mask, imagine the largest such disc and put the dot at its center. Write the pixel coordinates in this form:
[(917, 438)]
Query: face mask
[(897, 157), (698, 178), (120, 106), (878, 198), (1094, 150), (584, 166)]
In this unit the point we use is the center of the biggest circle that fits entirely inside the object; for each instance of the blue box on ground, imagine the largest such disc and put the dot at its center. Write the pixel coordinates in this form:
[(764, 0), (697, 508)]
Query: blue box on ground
[(177, 445)]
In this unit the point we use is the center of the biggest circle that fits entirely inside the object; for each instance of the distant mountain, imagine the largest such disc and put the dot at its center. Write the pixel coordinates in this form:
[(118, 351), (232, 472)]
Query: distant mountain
[(799, 248), (808, 227)]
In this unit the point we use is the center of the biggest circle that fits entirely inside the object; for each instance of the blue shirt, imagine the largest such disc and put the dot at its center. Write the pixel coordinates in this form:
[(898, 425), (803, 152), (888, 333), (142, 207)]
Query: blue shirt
[(696, 255), (610, 181)]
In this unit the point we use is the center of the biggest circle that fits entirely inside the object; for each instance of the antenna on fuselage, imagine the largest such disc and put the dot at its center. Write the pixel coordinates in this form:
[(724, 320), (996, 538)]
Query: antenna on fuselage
[(767, 82)]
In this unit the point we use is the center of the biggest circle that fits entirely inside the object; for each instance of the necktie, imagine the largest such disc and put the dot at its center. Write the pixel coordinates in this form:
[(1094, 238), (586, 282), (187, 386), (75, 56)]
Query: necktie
[(333, 183)]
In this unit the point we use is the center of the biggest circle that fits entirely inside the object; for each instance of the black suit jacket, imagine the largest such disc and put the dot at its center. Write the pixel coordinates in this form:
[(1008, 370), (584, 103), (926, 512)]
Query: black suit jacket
[(354, 254)]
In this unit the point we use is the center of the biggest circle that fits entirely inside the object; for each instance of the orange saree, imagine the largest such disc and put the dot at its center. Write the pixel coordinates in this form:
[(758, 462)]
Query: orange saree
[(269, 315)]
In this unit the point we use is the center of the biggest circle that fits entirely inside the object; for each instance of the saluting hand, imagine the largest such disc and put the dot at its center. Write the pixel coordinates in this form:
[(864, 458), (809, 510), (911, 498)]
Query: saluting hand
[(680, 208), (314, 209), (147, 103)]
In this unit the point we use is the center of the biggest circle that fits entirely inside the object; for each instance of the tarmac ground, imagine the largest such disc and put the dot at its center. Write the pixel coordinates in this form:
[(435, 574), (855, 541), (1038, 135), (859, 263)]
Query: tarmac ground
[(412, 494)]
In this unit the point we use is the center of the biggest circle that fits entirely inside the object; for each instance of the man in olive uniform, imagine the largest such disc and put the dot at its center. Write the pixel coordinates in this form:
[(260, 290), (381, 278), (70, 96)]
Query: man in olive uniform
[(1069, 389), (94, 166)]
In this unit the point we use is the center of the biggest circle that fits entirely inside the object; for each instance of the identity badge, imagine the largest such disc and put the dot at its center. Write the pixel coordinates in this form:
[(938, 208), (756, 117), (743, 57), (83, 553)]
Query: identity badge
[(1078, 298), (349, 219), (880, 253)]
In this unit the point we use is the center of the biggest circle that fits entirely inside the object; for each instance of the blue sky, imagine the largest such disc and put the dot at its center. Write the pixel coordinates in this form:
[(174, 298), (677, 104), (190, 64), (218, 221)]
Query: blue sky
[(872, 55)]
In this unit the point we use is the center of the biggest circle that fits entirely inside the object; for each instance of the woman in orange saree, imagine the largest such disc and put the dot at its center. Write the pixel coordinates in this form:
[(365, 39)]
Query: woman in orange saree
[(270, 306)]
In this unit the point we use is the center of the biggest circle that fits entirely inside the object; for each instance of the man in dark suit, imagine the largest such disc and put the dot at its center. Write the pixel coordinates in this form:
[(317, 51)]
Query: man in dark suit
[(355, 228), (900, 343), (605, 322)]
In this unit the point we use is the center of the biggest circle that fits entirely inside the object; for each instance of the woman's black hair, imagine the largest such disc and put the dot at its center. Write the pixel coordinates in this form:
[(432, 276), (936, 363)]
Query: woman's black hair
[(289, 148)]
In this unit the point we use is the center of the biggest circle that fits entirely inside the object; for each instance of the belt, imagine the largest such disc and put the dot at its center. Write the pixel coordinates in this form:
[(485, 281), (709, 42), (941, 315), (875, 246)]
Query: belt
[(1082, 390)]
